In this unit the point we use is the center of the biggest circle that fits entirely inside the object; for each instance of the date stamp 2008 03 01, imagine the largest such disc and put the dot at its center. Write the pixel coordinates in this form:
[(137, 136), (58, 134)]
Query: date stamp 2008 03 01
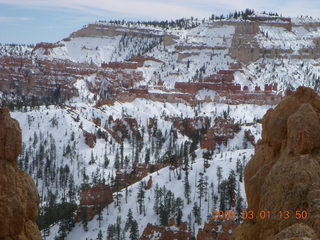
[(263, 215)]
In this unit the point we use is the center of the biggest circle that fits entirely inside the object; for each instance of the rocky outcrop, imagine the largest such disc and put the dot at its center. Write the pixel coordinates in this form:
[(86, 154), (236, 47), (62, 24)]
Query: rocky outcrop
[(90, 139), (170, 232), (249, 137), (149, 183), (221, 132), (284, 173), (19, 198), (217, 230), (99, 195), (93, 200)]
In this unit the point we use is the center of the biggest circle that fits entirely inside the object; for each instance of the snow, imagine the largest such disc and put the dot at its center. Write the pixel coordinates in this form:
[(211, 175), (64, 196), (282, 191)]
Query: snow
[(205, 93), (227, 161), (206, 46), (42, 123), (280, 38)]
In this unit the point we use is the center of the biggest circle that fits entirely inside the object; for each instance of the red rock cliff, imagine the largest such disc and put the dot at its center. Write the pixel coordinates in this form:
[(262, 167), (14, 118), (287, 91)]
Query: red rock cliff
[(19, 197), (284, 173)]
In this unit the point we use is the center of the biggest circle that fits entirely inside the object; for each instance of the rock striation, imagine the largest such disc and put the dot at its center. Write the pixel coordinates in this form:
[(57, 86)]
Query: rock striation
[(19, 198), (284, 173)]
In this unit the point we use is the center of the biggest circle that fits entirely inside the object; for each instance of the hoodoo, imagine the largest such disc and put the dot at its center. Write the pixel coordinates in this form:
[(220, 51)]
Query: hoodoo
[(283, 177), (19, 198)]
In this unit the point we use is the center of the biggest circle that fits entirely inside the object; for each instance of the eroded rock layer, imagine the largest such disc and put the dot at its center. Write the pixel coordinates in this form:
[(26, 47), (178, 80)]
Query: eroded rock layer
[(284, 173), (19, 197)]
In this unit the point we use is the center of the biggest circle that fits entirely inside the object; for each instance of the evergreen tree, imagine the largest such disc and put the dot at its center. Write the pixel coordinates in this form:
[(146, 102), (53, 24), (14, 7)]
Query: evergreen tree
[(164, 215), (178, 210), (134, 231), (231, 189), (121, 155), (100, 216), (207, 155), (147, 157), (187, 187), (196, 213), (111, 232), (129, 220), (239, 170), (85, 219), (116, 161), (118, 228), (106, 160), (100, 235), (140, 197), (202, 185), (240, 203), (116, 187), (219, 175), (157, 199), (62, 230), (223, 195)]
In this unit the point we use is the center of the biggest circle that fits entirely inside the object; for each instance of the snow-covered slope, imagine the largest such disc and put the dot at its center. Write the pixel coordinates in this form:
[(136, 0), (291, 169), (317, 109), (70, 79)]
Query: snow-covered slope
[(119, 104), (226, 161)]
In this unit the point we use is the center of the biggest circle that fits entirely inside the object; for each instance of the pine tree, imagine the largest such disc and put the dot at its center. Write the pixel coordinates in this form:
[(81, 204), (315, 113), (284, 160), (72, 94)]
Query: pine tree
[(157, 199), (116, 161), (219, 175), (134, 231), (193, 157), (187, 187), (147, 157), (100, 235), (62, 230), (111, 232), (116, 187), (178, 210), (92, 160), (129, 220), (196, 213), (239, 170), (202, 185), (223, 195), (240, 203), (206, 157), (121, 155), (140, 197), (231, 189), (164, 215), (106, 160), (100, 216), (118, 228), (85, 219)]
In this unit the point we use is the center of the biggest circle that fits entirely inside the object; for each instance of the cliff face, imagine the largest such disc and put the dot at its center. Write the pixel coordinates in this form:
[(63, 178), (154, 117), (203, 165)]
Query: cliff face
[(19, 198), (284, 173)]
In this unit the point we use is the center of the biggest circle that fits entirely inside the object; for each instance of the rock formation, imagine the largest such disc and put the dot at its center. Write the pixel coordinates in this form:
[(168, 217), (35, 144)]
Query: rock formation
[(149, 183), (170, 232), (100, 195), (284, 173), (217, 230), (19, 198), (93, 200)]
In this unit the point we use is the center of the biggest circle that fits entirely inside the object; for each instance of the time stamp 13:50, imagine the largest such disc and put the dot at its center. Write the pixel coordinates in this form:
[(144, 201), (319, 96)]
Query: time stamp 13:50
[(283, 214)]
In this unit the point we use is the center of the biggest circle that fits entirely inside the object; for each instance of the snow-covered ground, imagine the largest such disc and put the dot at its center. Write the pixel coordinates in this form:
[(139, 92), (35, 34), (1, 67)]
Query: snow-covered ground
[(226, 161)]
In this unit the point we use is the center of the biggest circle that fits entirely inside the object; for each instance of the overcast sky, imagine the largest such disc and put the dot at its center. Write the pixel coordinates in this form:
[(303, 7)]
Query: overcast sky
[(32, 21)]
